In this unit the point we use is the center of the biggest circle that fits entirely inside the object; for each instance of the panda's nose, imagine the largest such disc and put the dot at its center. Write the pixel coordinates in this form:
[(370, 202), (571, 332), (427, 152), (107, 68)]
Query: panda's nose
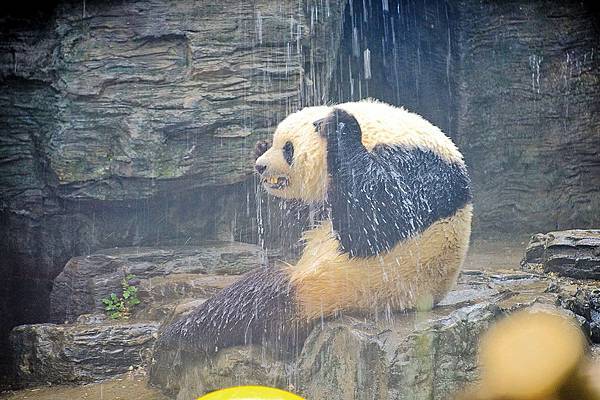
[(260, 168)]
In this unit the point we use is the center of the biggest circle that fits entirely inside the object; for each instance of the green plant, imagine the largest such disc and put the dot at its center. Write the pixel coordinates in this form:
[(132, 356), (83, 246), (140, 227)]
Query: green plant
[(120, 307)]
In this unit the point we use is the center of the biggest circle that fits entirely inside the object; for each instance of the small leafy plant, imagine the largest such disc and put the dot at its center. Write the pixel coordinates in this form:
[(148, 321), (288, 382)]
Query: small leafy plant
[(120, 307)]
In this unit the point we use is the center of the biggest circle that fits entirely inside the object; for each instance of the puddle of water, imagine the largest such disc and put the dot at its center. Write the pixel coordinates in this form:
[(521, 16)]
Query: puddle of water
[(494, 254)]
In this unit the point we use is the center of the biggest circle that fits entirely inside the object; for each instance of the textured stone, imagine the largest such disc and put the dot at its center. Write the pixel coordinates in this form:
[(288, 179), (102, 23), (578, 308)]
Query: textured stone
[(166, 275), (249, 365), (528, 113), (583, 299), (127, 124), (48, 353), (411, 49), (573, 253), (424, 355), (168, 96), (164, 297)]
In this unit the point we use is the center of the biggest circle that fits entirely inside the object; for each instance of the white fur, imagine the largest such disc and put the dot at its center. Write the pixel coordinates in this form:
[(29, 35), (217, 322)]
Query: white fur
[(379, 122), (416, 271)]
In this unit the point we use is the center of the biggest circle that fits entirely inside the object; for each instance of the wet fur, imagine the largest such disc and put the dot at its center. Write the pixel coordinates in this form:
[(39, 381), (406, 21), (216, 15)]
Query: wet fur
[(388, 194), (399, 230), (418, 271), (260, 308)]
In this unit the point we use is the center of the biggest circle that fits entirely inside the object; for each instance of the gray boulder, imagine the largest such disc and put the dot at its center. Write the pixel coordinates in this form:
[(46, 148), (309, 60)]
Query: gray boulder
[(423, 355), (583, 299), (573, 253), (166, 274), (48, 353)]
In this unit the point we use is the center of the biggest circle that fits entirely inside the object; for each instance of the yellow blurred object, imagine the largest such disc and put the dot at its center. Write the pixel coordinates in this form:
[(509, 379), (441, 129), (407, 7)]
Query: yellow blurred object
[(250, 393), (535, 354)]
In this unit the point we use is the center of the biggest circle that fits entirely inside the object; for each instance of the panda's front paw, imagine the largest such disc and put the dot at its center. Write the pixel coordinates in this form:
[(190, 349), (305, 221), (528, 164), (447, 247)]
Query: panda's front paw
[(260, 148)]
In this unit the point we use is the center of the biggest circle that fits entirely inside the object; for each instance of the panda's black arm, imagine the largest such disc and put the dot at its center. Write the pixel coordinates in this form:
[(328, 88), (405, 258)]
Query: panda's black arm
[(357, 191), (386, 195)]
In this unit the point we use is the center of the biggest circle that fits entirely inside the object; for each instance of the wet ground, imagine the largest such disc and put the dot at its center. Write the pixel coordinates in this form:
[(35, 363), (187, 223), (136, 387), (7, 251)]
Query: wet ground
[(127, 387), (495, 254), (486, 254)]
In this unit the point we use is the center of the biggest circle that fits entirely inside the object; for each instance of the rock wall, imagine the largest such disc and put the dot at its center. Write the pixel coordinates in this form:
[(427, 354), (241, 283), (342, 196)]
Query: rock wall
[(404, 53), (529, 113), (141, 99), (126, 124), (134, 123)]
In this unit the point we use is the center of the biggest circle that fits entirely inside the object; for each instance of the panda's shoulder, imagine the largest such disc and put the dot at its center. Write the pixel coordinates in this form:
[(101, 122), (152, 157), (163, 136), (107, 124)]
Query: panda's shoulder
[(383, 123), (371, 109)]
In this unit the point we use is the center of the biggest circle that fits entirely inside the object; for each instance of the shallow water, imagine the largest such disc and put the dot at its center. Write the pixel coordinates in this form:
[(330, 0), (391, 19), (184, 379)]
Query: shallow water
[(496, 254)]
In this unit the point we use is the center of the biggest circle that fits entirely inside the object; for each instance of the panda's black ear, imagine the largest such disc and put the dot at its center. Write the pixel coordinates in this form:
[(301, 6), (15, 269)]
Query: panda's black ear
[(345, 124), (339, 123), (319, 125)]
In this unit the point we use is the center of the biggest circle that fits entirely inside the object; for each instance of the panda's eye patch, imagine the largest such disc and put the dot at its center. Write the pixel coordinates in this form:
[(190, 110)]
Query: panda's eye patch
[(288, 152)]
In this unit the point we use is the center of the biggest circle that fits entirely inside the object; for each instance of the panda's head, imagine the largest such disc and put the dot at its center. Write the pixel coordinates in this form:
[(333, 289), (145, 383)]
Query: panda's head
[(295, 165)]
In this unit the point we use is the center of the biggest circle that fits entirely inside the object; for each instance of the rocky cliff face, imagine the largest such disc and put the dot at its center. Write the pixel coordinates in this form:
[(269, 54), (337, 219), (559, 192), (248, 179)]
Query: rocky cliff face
[(141, 99), (132, 123), (529, 113)]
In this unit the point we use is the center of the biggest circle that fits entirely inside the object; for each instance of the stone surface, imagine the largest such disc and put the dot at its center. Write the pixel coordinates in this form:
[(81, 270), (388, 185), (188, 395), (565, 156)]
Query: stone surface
[(413, 355), (412, 55), (122, 124), (166, 297), (48, 353), (583, 299), (167, 97), (128, 124), (166, 274), (528, 113), (573, 253), (424, 355)]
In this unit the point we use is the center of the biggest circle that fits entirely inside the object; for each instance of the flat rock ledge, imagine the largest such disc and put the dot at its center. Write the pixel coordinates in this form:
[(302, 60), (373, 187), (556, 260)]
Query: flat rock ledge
[(573, 253), (417, 355), (166, 275), (87, 345)]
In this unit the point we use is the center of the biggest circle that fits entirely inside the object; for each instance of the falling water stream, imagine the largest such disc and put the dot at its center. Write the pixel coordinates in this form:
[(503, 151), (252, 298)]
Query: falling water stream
[(428, 56)]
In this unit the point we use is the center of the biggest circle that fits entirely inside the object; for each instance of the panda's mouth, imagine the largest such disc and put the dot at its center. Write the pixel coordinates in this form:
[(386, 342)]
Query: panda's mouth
[(275, 182)]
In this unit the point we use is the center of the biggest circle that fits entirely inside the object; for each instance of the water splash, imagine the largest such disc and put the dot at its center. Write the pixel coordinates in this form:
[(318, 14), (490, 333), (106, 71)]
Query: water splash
[(534, 64)]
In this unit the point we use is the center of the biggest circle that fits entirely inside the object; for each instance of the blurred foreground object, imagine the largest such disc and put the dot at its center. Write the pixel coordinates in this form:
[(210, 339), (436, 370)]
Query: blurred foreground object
[(535, 354), (250, 393)]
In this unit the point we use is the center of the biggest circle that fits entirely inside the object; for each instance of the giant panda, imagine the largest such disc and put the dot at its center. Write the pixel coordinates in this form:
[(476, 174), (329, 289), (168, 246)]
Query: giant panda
[(399, 208)]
